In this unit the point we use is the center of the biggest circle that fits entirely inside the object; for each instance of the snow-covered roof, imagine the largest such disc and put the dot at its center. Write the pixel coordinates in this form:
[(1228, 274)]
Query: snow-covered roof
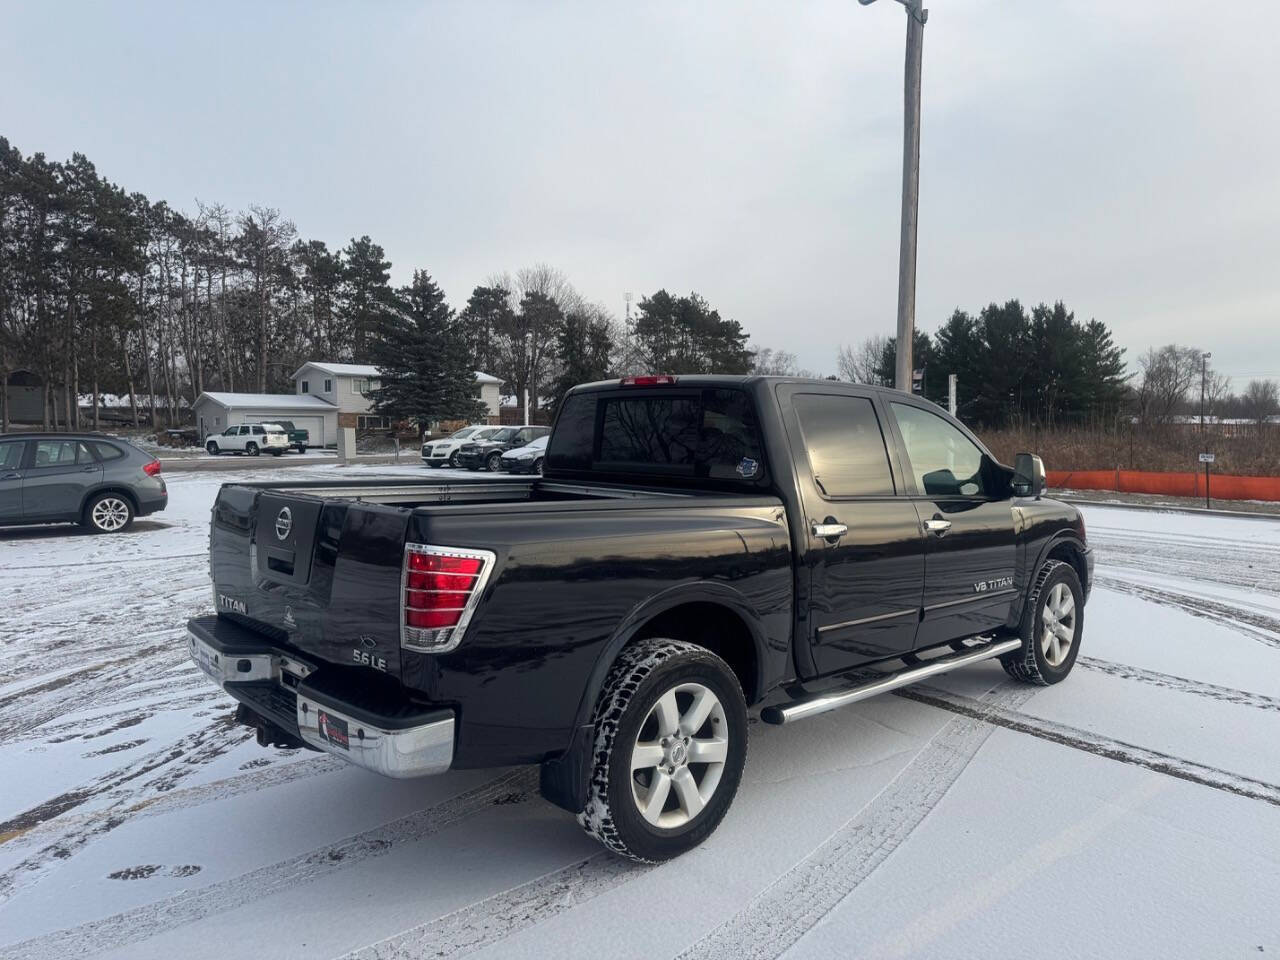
[(341, 369), (270, 401), (368, 370)]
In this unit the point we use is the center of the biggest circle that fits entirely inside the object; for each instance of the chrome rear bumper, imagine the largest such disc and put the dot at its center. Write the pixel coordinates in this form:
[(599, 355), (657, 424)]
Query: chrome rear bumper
[(383, 744)]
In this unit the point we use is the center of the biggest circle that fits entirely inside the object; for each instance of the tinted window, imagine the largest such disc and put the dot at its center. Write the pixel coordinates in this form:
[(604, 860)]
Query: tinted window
[(943, 460), (657, 430), (710, 433), (258, 430), (107, 451), (844, 444), (59, 453), (11, 454), (574, 436)]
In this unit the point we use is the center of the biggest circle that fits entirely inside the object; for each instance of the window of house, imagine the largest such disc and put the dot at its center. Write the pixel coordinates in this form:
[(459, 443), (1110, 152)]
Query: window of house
[(328, 386), (306, 386)]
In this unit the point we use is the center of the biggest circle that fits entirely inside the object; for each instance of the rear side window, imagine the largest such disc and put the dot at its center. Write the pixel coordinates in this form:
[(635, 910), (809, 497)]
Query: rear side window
[(257, 431), (107, 451), (11, 454), (845, 445), (61, 453), (709, 434)]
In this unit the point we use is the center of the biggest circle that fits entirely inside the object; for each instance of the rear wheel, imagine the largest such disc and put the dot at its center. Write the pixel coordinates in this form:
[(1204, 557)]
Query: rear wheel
[(212, 448), (1051, 627), (108, 513), (670, 745), (251, 449), (494, 463)]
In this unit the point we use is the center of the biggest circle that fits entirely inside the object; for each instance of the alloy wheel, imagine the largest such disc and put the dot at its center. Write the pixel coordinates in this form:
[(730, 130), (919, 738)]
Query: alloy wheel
[(1058, 625), (679, 755), (110, 514)]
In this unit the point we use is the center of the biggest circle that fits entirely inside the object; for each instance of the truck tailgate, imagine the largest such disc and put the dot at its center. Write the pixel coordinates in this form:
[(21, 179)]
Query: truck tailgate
[(322, 575)]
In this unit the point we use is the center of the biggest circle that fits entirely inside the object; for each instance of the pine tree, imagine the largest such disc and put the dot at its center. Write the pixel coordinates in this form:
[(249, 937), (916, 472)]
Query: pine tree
[(424, 365), (487, 314), (366, 292), (686, 335), (585, 346)]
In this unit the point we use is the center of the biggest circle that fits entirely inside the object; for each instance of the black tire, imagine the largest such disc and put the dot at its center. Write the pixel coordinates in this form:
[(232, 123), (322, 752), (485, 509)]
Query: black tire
[(277, 453), (108, 512), (453, 460), (642, 675), (300, 447), (493, 463), (212, 448), (537, 466), (251, 448), (1033, 663)]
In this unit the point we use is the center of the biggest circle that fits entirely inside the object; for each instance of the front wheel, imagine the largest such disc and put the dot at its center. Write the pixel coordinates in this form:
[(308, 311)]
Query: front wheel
[(212, 448), (251, 449), (494, 463), (537, 466), (277, 453), (670, 746), (453, 460), (1051, 627)]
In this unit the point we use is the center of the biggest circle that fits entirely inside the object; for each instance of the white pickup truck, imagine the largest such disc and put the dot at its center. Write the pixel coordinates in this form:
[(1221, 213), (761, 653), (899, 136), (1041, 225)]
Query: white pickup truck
[(250, 438)]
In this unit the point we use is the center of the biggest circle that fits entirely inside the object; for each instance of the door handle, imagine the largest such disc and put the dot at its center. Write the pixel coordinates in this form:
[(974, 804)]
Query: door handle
[(11, 476), (829, 530), (89, 469), (937, 526)]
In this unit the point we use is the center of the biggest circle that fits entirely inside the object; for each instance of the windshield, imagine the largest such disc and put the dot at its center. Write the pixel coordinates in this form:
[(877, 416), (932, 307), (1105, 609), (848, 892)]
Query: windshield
[(464, 433), (503, 435), (484, 434)]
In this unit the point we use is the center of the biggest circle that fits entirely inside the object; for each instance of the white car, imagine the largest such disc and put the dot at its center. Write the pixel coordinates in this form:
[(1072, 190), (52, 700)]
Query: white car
[(444, 453), (250, 438)]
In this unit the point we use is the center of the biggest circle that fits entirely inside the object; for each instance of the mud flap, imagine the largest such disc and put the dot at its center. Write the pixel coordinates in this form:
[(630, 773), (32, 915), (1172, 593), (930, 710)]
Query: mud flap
[(563, 779)]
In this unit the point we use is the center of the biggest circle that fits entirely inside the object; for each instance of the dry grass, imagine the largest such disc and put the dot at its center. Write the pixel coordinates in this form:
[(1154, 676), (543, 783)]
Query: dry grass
[(1251, 452)]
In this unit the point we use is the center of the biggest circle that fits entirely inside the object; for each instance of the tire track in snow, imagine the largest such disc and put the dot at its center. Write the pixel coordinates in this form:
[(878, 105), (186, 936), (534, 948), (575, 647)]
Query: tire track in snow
[(1168, 681), (1089, 742), (492, 920), (1257, 626), (151, 919), (789, 907)]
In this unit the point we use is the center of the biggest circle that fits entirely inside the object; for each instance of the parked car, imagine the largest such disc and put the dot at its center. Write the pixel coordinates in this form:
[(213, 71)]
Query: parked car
[(526, 459), (249, 438), (298, 437), (695, 545), (87, 478), (485, 453), (444, 452)]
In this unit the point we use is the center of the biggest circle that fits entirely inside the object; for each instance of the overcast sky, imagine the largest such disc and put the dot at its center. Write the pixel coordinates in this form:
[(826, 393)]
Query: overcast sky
[(1124, 157)]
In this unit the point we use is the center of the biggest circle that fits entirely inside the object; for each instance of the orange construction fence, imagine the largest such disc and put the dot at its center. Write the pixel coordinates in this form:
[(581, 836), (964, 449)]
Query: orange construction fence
[(1221, 486)]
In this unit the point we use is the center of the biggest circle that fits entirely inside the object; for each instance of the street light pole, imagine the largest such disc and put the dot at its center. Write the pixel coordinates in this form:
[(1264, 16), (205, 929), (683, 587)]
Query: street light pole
[(917, 16)]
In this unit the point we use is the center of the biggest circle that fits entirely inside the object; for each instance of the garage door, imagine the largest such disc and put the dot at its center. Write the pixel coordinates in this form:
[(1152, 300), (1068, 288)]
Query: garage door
[(314, 427)]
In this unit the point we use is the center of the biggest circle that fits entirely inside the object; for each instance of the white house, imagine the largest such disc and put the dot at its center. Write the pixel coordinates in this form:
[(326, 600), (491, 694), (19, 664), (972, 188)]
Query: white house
[(326, 396)]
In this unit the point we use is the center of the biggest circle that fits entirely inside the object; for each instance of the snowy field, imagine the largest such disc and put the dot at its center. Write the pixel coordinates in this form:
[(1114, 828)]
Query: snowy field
[(1133, 811)]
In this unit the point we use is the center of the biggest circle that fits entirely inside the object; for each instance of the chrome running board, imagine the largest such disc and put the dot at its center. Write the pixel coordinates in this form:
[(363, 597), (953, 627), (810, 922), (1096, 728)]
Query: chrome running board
[(843, 696)]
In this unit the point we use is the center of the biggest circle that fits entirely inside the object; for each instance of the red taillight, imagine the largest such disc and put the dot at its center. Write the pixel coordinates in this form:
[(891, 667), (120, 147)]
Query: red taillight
[(651, 380), (152, 468), (441, 589)]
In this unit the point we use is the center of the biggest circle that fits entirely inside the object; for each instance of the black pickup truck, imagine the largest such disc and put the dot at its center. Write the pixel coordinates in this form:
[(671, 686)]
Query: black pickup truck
[(695, 547)]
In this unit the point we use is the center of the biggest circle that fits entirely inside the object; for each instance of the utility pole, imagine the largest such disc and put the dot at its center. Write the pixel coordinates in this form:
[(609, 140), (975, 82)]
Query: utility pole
[(1204, 369), (951, 394), (917, 16)]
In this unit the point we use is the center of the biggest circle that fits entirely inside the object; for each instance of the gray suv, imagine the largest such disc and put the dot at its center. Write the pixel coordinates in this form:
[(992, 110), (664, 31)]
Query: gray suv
[(101, 482)]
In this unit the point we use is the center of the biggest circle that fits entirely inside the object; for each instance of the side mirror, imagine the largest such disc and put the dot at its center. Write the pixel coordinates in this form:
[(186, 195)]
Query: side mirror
[(1028, 475)]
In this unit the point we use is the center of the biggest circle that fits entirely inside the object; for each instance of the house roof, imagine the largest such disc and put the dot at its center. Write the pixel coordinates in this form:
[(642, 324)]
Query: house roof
[(271, 401), (341, 369), (368, 370)]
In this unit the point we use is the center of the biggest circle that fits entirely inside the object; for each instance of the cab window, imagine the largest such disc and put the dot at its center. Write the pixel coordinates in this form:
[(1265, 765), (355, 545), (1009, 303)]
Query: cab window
[(844, 444), (11, 454), (944, 462)]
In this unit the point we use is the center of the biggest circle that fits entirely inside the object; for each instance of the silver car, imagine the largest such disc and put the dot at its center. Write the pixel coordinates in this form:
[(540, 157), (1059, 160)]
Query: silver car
[(98, 481)]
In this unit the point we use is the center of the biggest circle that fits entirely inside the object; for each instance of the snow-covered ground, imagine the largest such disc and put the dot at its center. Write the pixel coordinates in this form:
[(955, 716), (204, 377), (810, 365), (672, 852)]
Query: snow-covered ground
[(1133, 811)]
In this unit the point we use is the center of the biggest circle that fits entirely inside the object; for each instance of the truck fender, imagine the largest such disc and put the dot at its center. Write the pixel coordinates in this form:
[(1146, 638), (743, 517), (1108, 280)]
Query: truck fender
[(1042, 554), (564, 778)]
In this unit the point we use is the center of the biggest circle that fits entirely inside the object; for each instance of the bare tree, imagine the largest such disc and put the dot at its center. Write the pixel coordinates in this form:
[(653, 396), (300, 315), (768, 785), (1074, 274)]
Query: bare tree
[(1261, 399), (1167, 374), (861, 364)]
